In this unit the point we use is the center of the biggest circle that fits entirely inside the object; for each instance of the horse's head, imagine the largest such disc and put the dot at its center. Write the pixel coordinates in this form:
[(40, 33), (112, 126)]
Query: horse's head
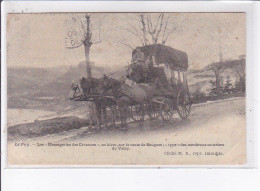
[(104, 84), (85, 86), (77, 91)]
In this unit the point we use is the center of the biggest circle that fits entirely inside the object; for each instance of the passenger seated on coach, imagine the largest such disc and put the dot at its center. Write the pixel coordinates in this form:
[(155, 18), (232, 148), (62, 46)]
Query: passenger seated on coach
[(141, 65)]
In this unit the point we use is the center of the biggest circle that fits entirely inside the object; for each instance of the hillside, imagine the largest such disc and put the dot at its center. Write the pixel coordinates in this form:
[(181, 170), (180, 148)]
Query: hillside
[(62, 85), (28, 80), (24, 82), (38, 87)]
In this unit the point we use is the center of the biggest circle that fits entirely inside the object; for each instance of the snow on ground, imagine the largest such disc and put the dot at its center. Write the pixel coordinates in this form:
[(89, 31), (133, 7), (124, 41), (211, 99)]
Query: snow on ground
[(20, 116), (217, 122)]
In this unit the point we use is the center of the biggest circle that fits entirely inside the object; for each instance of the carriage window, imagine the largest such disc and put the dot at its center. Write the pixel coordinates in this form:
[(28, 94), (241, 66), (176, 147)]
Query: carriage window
[(184, 77), (174, 77), (181, 76), (167, 71), (175, 74)]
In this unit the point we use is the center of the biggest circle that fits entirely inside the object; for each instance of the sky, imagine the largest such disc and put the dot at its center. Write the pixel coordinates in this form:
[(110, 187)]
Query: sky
[(38, 40)]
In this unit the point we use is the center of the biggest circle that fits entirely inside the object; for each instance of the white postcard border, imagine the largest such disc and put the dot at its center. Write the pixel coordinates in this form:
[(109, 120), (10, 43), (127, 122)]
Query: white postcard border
[(140, 6)]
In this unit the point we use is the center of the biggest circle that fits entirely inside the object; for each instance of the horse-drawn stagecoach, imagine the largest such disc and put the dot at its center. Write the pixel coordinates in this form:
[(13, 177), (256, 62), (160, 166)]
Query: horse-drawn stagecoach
[(162, 91)]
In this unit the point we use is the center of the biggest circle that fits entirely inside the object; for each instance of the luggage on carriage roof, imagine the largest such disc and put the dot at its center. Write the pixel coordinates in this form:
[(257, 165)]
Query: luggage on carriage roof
[(167, 55)]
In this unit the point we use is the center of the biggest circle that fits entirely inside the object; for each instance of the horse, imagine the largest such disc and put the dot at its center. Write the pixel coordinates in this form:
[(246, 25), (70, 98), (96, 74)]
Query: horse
[(86, 89), (125, 96)]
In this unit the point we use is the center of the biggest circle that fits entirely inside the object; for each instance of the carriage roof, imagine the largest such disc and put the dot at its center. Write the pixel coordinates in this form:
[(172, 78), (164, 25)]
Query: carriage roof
[(176, 59)]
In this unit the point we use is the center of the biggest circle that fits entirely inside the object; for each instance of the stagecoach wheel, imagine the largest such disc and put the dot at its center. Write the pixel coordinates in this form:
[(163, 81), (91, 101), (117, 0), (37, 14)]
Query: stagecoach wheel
[(153, 110), (136, 113), (183, 104), (166, 110)]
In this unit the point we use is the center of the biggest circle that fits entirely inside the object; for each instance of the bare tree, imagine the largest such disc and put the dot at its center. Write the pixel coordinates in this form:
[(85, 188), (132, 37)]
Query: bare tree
[(83, 31), (155, 29), (80, 33), (239, 67), (144, 29), (168, 30), (241, 72), (150, 28), (218, 68)]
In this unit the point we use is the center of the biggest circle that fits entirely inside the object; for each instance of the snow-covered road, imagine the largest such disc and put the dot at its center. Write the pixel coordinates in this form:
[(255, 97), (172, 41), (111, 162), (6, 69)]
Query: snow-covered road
[(220, 122)]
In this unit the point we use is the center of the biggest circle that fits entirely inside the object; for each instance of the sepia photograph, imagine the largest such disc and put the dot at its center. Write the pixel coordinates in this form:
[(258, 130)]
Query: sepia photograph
[(143, 88)]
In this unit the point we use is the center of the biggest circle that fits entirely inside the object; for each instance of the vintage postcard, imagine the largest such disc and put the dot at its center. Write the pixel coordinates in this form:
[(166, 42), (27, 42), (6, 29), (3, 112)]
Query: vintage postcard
[(126, 89)]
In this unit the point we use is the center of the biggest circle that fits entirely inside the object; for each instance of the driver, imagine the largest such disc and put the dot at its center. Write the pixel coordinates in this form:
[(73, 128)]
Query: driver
[(138, 57), (138, 61)]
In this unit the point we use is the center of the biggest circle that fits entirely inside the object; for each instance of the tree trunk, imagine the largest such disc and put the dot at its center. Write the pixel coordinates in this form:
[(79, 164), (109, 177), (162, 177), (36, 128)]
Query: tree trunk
[(87, 45), (144, 30), (87, 49)]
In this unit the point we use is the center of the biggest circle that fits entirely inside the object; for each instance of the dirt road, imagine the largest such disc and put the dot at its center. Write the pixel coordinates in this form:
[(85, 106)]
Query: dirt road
[(221, 122), (201, 116)]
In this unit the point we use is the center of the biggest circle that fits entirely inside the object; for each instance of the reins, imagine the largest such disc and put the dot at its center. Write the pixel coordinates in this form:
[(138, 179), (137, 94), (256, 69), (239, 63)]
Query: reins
[(117, 71)]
